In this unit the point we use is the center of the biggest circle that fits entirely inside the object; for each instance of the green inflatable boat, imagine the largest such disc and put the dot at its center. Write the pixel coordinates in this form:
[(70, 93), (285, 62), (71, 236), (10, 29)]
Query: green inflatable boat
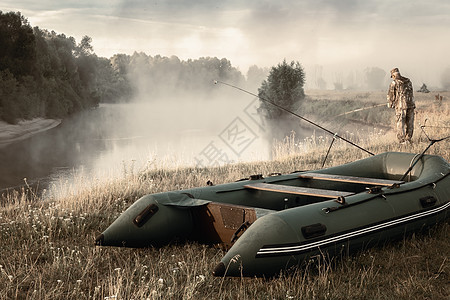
[(272, 223)]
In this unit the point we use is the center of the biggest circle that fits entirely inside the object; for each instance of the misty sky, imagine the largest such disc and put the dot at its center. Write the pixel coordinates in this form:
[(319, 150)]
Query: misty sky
[(340, 36)]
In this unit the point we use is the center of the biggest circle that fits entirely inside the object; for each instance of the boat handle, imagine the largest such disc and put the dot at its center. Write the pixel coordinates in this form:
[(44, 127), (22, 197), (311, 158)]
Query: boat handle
[(427, 201), (313, 230), (242, 228), (145, 215)]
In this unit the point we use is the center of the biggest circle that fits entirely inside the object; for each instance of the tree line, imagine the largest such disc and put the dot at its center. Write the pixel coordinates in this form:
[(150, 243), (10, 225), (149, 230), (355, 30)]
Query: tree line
[(50, 75), (152, 77), (45, 74)]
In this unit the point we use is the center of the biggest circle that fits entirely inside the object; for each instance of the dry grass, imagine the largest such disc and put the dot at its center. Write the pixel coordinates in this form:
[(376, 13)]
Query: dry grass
[(47, 247)]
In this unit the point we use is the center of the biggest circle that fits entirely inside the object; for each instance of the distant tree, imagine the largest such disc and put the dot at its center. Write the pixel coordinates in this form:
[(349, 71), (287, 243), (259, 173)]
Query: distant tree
[(321, 83), (375, 78), (255, 76), (111, 85), (85, 47), (284, 86), (120, 63), (9, 87), (351, 83), (17, 44), (169, 77), (317, 77), (338, 82)]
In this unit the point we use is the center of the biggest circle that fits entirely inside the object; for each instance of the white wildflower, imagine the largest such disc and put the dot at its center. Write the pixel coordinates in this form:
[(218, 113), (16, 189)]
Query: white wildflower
[(160, 282)]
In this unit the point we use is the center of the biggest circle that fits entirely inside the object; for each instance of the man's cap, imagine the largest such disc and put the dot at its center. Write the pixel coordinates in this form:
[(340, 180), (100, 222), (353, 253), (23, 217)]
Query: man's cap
[(393, 71)]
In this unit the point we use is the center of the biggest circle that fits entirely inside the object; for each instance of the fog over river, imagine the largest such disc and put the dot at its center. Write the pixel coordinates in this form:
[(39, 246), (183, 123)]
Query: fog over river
[(113, 139)]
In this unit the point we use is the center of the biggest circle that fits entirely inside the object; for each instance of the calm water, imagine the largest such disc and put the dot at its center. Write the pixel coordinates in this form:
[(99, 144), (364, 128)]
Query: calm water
[(103, 142)]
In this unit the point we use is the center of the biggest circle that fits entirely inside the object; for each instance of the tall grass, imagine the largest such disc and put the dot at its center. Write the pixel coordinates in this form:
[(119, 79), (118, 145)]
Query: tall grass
[(47, 249)]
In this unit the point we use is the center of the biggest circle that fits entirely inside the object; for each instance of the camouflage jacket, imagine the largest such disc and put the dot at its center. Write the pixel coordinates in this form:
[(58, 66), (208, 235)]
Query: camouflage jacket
[(400, 94)]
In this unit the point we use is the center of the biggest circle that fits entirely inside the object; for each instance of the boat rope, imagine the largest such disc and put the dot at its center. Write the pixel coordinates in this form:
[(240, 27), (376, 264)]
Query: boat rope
[(411, 162), (432, 142), (295, 114)]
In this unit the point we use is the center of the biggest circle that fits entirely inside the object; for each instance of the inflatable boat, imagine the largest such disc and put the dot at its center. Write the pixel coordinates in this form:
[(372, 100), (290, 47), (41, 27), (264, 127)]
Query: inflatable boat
[(275, 222)]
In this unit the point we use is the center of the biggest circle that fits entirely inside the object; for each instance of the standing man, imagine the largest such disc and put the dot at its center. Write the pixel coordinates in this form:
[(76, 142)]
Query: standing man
[(400, 97)]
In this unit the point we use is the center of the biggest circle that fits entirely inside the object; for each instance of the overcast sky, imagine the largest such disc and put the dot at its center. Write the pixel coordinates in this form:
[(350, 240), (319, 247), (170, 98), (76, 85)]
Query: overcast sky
[(340, 36)]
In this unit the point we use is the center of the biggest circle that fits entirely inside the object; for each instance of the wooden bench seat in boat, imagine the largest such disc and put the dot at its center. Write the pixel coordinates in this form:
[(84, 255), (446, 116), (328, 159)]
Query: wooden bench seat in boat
[(350, 179), (296, 190)]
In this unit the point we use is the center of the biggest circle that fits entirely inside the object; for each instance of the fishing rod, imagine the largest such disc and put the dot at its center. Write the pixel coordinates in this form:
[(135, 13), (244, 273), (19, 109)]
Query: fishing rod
[(359, 109), (440, 127), (432, 142), (294, 114), (328, 151)]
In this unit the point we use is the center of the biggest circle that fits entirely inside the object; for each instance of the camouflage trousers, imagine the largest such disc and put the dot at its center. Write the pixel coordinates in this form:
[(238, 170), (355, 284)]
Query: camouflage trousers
[(405, 124)]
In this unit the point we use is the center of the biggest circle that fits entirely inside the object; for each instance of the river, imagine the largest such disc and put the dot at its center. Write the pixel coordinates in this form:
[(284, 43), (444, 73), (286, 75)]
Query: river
[(105, 141)]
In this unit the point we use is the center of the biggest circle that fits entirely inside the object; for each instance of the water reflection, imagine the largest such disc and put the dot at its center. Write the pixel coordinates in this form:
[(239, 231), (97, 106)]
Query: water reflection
[(101, 141)]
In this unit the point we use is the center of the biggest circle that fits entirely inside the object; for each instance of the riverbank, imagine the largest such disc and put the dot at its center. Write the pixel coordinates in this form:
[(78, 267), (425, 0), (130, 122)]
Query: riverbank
[(10, 133)]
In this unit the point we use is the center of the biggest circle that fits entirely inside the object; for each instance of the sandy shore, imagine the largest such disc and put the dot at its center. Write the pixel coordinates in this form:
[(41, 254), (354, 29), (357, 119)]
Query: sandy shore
[(24, 129)]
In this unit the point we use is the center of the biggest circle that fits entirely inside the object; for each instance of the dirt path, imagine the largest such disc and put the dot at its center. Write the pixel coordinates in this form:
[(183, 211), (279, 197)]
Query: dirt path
[(12, 133)]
